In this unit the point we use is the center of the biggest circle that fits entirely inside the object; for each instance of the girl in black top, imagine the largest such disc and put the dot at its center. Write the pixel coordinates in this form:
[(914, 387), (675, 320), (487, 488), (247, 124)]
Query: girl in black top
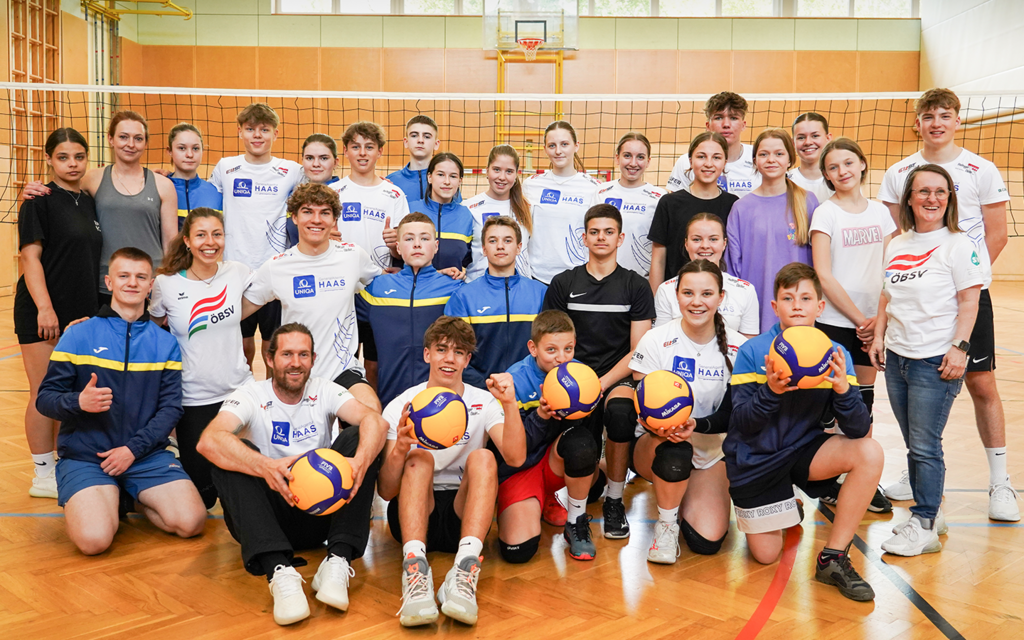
[(60, 245)]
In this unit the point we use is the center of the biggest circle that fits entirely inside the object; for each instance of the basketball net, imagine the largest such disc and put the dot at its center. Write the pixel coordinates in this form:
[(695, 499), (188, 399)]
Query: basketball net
[(529, 47)]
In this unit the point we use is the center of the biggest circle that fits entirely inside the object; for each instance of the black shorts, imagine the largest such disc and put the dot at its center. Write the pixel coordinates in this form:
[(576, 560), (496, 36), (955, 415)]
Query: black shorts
[(366, 339), (267, 318), (847, 337), (350, 377), (769, 504), (982, 356), (444, 527)]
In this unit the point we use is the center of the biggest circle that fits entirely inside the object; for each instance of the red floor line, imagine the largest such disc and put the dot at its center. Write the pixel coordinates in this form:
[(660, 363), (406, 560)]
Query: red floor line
[(771, 597)]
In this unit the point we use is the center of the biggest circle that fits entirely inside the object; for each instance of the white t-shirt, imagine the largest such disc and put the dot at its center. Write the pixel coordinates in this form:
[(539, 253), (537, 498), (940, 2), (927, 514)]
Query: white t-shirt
[(923, 273), (739, 308), (485, 413), (205, 318), (667, 348), (255, 199), (558, 206), (637, 207), (857, 247), (319, 291), (281, 430), (482, 206), (817, 187), (363, 212), (977, 182), (739, 178)]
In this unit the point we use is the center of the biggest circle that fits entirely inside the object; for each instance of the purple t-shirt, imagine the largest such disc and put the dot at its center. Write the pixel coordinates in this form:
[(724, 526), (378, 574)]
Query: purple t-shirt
[(760, 232)]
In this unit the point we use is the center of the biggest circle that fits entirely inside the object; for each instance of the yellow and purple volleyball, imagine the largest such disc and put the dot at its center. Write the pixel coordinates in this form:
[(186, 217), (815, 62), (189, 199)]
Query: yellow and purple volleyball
[(439, 418), (572, 390), (321, 481), (803, 354), (663, 399)]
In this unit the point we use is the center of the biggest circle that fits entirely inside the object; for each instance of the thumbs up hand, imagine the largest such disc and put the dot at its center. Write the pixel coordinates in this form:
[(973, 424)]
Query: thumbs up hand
[(390, 237), (95, 399)]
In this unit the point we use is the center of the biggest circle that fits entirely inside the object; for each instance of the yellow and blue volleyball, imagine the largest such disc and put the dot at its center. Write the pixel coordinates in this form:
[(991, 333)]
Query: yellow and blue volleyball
[(439, 418), (803, 354), (321, 482), (663, 399), (572, 390)]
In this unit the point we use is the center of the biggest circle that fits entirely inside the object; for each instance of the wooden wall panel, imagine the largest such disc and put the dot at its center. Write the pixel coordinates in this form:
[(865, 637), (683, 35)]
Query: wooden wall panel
[(295, 68), (74, 44), (350, 69), (227, 67), (171, 66)]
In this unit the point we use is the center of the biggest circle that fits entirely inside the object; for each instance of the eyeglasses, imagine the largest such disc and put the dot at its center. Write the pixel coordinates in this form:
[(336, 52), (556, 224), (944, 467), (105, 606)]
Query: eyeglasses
[(924, 194)]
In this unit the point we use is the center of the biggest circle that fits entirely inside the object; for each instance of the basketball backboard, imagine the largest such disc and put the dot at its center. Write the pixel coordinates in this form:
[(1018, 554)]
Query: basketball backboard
[(555, 22)]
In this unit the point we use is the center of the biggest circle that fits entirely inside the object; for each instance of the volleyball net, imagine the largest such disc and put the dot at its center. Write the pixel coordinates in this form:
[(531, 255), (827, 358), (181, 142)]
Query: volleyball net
[(470, 124)]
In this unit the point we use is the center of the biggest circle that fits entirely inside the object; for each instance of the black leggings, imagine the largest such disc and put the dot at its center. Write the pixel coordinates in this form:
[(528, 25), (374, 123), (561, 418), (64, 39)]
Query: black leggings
[(189, 429)]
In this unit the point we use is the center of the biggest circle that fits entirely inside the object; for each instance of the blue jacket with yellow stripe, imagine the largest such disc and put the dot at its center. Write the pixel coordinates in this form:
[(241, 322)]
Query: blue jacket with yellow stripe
[(501, 311), (138, 361), (193, 194), (399, 307), (766, 430), (454, 224), (527, 377)]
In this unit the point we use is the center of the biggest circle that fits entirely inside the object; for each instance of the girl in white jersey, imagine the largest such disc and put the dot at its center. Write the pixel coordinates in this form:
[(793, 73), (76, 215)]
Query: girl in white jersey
[(685, 464), (635, 198), (504, 197), (201, 299), (559, 200), (810, 135), (705, 240)]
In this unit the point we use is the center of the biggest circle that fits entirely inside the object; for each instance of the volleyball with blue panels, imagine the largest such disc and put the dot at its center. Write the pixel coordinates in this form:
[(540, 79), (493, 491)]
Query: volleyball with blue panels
[(664, 400), (439, 418), (572, 390), (803, 354), (321, 481)]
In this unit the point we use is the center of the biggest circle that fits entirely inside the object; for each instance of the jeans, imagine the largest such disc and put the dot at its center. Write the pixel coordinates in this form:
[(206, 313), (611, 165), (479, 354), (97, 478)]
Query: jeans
[(921, 401)]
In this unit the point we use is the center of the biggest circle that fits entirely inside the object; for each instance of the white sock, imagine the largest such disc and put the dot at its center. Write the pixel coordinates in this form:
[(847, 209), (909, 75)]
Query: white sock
[(996, 465), (614, 489), (469, 547), (575, 509), (45, 463), (417, 548), (668, 516)]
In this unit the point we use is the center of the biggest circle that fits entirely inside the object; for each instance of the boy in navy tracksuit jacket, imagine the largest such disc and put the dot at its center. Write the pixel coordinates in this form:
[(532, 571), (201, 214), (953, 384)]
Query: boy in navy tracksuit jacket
[(776, 436), (500, 305), (114, 382)]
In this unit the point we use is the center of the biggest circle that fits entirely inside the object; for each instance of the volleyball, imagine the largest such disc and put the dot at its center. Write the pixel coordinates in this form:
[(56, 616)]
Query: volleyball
[(439, 418), (572, 390), (321, 481), (803, 354), (663, 399)]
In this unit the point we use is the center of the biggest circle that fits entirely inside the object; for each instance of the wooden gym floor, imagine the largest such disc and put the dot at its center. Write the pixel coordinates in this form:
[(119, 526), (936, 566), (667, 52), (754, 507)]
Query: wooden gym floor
[(151, 585)]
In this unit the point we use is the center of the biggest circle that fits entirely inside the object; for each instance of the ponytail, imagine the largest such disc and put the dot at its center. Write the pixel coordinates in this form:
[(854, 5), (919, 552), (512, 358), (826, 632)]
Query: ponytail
[(517, 201), (178, 256), (723, 340), (796, 202)]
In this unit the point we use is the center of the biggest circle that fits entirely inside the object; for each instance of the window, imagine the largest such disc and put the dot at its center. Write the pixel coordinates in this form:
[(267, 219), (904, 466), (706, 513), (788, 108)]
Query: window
[(883, 8), (748, 8), (823, 8), (686, 8)]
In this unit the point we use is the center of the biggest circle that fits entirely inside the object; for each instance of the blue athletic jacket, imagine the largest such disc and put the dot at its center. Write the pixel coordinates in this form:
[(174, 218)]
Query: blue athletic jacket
[(454, 224), (501, 311), (766, 429), (139, 362), (399, 307), (413, 184), (289, 225), (193, 194), (527, 377)]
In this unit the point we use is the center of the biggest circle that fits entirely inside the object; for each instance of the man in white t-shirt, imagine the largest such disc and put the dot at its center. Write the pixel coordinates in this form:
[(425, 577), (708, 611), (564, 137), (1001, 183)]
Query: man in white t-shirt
[(317, 281), (981, 198), (726, 113), (446, 502), (255, 187), (261, 430)]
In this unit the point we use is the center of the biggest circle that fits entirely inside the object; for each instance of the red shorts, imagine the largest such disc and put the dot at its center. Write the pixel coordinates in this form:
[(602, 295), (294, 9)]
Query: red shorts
[(539, 481)]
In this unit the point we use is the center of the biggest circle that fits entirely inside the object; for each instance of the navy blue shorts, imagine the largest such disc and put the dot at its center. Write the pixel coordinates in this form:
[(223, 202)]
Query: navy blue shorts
[(155, 469)]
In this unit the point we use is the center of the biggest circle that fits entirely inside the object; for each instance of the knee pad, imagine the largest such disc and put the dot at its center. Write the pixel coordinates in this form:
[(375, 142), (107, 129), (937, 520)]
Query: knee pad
[(597, 489), (698, 543), (867, 391), (579, 451), (673, 461), (519, 553), (620, 420)]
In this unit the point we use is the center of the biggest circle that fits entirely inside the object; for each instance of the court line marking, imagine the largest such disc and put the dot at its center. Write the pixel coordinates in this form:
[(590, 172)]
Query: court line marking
[(13, 355), (771, 596)]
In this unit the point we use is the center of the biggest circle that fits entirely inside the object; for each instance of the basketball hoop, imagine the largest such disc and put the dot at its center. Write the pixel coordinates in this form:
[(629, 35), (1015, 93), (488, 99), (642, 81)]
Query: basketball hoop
[(529, 47)]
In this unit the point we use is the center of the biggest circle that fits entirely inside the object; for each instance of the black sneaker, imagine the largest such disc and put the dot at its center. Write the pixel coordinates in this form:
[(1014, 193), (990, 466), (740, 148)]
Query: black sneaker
[(836, 570), (832, 497), (615, 524), (577, 534), (880, 504)]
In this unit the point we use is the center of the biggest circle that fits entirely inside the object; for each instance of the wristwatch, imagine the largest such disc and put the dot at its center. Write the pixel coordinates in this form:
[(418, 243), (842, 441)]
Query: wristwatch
[(963, 345)]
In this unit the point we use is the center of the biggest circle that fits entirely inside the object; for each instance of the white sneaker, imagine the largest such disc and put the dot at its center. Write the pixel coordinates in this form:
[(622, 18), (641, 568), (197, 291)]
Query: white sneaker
[(45, 486), (1002, 503), (331, 581), (665, 546), (901, 490), (290, 603), (418, 606), (458, 593), (913, 540), (940, 525)]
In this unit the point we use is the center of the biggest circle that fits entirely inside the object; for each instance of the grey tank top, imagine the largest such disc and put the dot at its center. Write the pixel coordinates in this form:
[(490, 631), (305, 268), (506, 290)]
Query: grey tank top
[(128, 221)]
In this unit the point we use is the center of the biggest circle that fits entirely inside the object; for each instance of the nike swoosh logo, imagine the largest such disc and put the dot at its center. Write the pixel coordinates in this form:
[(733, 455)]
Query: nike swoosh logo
[(977, 360), (40, 464), (576, 295), (100, 350)]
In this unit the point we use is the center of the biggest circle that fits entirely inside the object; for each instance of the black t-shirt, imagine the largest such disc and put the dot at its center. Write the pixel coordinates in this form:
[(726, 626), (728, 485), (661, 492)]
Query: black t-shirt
[(671, 217), (602, 311), (71, 239)]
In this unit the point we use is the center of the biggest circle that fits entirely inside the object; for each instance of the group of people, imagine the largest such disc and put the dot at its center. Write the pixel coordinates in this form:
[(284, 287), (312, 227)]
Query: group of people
[(367, 290)]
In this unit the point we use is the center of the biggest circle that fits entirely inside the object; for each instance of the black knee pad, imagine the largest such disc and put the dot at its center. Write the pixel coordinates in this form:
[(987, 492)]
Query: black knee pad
[(519, 553), (597, 489), (673, 461), (698, 543), (867, 391), (620, 420), (579, 451)]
